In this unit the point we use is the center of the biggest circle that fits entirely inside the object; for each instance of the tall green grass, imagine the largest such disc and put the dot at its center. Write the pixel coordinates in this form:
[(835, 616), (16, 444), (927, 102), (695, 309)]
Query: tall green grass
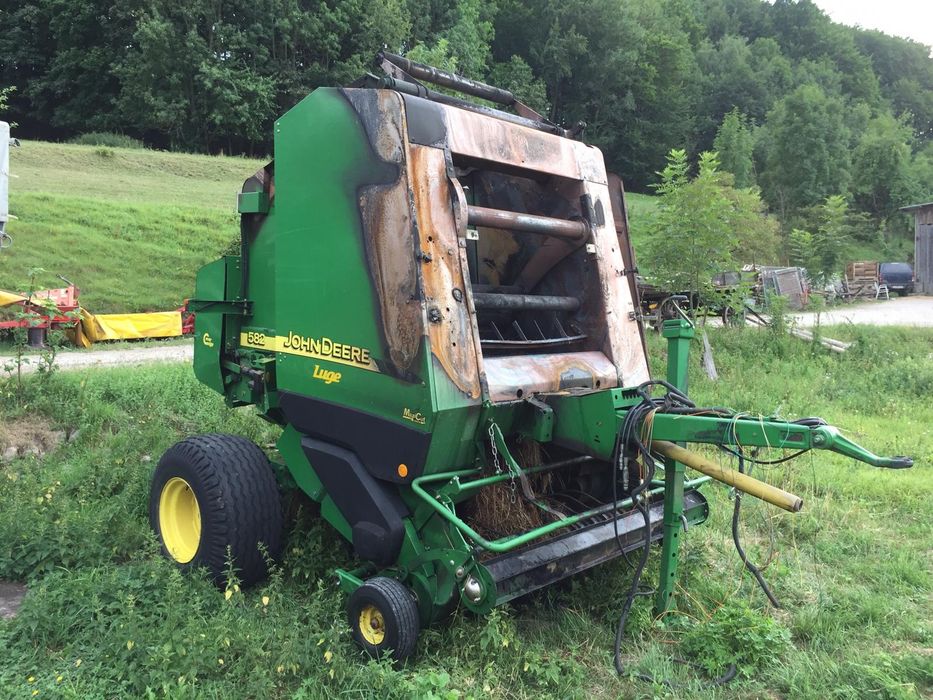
[(124, 257), (129, 226), (853, 569)]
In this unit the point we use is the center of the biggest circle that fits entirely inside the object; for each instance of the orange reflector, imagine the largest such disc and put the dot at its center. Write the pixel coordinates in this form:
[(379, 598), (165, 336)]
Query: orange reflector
[(402, 470)]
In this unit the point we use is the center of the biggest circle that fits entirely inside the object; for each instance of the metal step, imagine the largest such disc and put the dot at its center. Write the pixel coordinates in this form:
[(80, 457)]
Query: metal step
[(537, 566)]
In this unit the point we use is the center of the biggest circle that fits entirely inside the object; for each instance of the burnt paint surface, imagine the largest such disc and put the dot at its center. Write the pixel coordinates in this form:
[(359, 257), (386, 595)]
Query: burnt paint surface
[(450, 324), (387, 222)]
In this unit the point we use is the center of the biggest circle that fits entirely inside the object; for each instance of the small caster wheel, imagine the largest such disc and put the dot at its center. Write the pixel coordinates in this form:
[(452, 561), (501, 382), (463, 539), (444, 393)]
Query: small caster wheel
[(384, 618)]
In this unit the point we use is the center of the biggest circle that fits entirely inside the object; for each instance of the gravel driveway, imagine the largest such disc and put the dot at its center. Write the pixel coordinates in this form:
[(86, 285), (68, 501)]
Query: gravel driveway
[(898, 311), (113, 358)]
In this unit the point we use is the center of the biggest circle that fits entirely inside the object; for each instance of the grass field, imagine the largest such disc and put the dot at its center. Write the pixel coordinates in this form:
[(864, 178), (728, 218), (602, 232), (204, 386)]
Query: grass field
[(106, 617), (130, 227)]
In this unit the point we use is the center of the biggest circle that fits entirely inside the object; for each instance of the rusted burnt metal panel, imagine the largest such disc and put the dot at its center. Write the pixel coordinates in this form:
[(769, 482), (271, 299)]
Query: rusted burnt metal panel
[(450, 325), (516, 221), (620, 220), (477, 136), (385, 211), (514, 376), (623, 340)]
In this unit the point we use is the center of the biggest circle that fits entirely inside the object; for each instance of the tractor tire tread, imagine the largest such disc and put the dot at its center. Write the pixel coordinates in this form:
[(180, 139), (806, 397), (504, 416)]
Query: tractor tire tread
[(239, 501)]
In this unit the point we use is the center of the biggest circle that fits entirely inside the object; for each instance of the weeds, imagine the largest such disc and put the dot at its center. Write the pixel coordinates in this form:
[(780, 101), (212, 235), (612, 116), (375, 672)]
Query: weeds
[(109, 617)]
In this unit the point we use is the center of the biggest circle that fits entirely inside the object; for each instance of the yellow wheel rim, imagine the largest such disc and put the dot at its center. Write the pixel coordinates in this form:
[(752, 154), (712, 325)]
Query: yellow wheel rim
[(372, 625), (179, 520)]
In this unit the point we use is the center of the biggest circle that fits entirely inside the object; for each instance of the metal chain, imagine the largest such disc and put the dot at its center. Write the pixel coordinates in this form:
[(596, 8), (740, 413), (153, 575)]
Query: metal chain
[(492, 444), (495, 460)]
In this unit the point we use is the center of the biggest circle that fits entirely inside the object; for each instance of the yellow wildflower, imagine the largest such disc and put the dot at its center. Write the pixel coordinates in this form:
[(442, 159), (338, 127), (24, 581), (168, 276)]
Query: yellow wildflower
[(265, 600)]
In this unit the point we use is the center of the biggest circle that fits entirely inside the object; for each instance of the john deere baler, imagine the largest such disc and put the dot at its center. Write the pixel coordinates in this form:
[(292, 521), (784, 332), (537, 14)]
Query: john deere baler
[(435, 299)]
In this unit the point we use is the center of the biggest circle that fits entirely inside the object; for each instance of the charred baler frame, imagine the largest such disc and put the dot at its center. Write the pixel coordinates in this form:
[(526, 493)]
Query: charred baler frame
[(424, 283)]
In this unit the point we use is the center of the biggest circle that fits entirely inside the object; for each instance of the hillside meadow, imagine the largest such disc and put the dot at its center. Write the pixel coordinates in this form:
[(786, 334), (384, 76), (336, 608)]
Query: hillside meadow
[(130, 227)]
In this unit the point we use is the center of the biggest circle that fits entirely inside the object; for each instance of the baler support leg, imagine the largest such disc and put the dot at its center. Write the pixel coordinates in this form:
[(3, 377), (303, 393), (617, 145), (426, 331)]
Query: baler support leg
[(679, 332)]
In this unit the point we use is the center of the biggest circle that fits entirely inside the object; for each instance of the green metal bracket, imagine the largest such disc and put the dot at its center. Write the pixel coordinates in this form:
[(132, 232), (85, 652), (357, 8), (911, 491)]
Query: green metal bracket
[(826, 437), (240, 307), (679, 332), (506, 544), (252, 202), (349, 581)]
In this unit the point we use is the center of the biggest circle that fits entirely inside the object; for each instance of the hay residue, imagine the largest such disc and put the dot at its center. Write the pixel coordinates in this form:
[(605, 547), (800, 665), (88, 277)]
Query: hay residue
[(495, 514)]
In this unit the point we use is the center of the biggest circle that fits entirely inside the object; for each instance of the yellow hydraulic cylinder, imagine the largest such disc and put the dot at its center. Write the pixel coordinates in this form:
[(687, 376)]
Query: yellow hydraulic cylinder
[(743, 482)]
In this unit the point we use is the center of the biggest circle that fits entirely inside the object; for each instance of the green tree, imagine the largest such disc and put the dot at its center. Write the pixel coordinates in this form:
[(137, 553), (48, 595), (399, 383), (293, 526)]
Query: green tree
[(735, 145), (881, 167), (806, 150), (738, 74), (464, 45), (626, 69), (516, 76), (704, 225), (5, 97), (905, 72), (821, 252)]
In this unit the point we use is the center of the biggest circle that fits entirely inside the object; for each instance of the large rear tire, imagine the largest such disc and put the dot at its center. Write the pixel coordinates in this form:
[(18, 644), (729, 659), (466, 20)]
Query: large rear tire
[(211, 493)]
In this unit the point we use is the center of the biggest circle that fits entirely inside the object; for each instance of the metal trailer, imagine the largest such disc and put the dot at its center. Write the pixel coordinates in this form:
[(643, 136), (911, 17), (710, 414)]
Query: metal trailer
[(432, 300)]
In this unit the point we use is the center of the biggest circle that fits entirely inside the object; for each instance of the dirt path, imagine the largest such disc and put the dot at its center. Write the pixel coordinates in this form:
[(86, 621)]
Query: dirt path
[(899, 311), (11, 597), (113, 358)]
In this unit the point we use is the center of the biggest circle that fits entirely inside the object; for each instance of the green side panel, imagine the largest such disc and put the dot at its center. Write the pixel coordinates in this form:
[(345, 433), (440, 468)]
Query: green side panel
[(331, 513), (455, 425), (322, 281), (289, 445), (208, 325), (252, 202)]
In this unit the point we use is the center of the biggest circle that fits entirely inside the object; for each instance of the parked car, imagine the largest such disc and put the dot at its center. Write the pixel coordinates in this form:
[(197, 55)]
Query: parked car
[(898, 276)]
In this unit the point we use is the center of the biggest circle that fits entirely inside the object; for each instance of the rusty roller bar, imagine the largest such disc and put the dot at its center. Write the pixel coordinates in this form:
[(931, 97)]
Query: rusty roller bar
[(525, 302), (430, 74), (743, 482), (513, 221)]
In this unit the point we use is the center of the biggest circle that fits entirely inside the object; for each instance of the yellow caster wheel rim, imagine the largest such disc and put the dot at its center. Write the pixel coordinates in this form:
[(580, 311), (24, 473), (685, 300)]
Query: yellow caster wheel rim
[(372, 625)]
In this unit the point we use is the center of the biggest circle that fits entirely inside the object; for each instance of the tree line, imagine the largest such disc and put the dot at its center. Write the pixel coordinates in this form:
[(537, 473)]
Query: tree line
[(793, 103)]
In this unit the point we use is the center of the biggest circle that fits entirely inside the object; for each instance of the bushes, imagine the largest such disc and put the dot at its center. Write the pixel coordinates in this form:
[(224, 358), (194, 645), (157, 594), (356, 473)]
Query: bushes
[(107, 138)]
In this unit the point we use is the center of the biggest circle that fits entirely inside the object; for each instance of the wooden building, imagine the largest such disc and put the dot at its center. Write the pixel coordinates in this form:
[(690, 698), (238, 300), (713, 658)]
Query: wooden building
[(923, 242)]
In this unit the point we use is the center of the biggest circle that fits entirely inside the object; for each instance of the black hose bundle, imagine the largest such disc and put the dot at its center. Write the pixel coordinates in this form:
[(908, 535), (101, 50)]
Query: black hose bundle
[(629, 447)]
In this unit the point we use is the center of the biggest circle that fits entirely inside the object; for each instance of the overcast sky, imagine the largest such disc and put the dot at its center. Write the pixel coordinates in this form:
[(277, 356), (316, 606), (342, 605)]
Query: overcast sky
[(908, 18)]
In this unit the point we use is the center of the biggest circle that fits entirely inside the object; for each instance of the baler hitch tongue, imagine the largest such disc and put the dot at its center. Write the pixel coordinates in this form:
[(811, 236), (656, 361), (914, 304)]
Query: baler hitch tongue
[(827, 437)]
